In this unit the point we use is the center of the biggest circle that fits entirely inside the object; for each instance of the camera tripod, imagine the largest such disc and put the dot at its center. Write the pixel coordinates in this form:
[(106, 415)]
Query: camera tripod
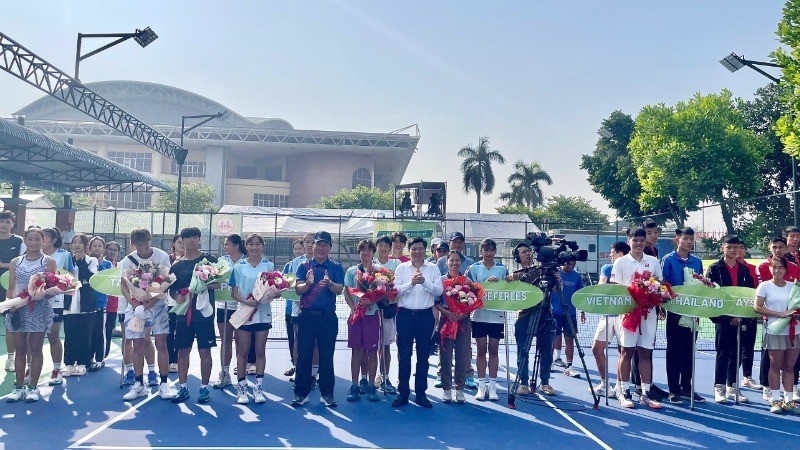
[(547, 282)]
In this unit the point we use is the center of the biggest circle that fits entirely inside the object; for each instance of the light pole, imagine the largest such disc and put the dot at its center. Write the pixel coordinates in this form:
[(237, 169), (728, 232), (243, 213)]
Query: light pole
[(182, 157), (142, 37), (734, 62)]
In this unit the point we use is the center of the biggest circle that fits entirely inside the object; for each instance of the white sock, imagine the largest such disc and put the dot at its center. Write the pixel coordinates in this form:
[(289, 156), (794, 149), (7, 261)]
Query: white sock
[(481, 383), (11, 355), (151, 367), (202, 386), (645, 388), (788, 396), (556, 354), (259, 380), (182, 385), (128, 367), (493, 383), (776, 395), (314, 371), (226, 369), (624, 386), (56, 366)]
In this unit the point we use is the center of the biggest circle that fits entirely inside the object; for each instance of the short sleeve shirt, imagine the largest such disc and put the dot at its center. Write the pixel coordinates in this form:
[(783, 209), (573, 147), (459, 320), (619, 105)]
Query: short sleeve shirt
[(244, 277), (776, 299), (319, 298), (625, 267), (478, 273), (184, 270)]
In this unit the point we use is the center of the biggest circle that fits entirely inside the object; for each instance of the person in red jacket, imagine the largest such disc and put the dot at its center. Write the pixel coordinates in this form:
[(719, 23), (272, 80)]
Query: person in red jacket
[(749, 329), (778, 248)]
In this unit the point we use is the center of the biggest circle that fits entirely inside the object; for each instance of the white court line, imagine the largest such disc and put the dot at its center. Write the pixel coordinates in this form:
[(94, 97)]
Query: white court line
[(103, 427), (583, 429), (194, 447)]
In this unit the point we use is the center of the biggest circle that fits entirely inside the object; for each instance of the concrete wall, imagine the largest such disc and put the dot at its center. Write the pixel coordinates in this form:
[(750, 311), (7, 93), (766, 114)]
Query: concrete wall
[(240, 192), (317, 175)]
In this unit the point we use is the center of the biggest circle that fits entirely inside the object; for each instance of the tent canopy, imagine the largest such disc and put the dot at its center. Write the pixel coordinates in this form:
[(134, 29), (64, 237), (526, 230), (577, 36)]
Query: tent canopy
[(41, 162)]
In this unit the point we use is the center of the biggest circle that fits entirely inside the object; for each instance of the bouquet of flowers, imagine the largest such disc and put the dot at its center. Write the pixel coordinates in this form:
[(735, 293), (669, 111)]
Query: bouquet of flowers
[(462, 296), (205, 273), (373, 286), (147, 283), (780, 324), (647, 292), (267, 288), (692, 278), (40, 285)]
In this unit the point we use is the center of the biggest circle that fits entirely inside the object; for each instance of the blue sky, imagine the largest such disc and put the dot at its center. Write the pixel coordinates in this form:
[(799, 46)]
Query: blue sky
[(536, 77)]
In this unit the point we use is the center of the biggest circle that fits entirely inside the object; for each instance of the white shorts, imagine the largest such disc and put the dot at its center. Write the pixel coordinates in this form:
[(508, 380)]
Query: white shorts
[(613, 329), (645, 336), (157, 322), (389, 331)]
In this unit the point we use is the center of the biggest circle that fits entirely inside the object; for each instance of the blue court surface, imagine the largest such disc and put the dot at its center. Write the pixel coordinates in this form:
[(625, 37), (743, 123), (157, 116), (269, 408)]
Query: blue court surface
[(89, 412)]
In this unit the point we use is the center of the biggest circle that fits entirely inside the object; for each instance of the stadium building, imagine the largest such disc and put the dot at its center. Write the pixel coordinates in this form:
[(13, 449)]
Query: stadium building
[(249, 161)]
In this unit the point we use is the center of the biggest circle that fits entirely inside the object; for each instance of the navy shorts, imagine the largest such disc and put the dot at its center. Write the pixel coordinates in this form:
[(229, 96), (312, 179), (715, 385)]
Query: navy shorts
[(483, 329), (562, 327)]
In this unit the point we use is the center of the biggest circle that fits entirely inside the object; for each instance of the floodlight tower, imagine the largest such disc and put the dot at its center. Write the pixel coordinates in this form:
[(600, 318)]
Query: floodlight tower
[(142, 37)]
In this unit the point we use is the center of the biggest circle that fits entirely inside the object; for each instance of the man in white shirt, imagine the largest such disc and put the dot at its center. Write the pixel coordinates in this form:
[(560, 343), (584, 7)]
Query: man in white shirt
[(643, 339), (418, 285), (158, 325)]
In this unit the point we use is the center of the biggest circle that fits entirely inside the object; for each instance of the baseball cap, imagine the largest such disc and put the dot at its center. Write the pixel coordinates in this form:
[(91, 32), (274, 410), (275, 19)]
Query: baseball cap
[(444, 246), (457, 235), (323, 236), (436, 241)]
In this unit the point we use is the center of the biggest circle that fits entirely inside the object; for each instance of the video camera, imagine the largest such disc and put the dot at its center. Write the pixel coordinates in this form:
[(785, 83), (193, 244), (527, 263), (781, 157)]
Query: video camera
[(552, 252)]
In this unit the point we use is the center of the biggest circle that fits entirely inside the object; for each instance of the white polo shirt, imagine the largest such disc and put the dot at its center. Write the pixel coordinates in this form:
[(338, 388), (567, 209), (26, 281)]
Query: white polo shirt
[(418, 296), (625, 267)]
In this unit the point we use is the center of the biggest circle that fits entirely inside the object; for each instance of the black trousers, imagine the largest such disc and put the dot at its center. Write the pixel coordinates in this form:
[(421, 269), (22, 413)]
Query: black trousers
[(78, 338), (98, 335), (111, 322), (748, 338), (320, 328), (725, 363), (172, 350), (413, 327), (679, 356), (763, 373), (636, 378), (290, 334)]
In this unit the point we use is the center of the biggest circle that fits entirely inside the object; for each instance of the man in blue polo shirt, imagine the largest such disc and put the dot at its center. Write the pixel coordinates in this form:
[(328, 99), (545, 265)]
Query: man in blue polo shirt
[(679, 328), (319, 281)]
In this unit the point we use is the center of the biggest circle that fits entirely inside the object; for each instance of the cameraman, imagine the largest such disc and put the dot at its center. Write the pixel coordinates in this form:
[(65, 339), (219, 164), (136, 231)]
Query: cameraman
[(571, 281), (545, 332)]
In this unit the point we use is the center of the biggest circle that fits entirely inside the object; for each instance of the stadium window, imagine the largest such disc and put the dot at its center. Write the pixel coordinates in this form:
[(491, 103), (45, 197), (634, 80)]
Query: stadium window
[(143, 162), (246, 172), (362, 177), (274, 200), (196, 169), (274, 173)]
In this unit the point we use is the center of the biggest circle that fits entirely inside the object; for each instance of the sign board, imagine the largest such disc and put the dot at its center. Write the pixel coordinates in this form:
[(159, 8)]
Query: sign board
[(511, 295), (699, 301), (607, 299)]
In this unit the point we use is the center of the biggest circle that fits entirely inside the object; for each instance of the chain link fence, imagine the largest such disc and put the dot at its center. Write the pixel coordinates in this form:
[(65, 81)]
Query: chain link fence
[(279, 230)]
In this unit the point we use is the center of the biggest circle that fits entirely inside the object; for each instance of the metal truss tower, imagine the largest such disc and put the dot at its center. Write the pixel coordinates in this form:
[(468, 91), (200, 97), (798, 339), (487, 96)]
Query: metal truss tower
[(30, 68)]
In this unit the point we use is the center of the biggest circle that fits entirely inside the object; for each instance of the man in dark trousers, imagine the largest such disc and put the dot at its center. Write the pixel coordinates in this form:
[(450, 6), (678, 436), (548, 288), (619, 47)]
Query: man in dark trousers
[(728, 272)]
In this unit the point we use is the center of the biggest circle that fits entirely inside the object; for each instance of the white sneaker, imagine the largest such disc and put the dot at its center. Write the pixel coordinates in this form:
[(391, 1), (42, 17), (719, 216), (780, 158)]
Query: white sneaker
[(18, 394), (56, 378), (493, 392), (173, 368), (748, 382), (523, 389), (460, 396), (223, 381), (732, 394), (10, 365), (165, 392), (600, 390), (482, 391), (79, 370), (719, 394), (136, 391), (258, 395), (447, 396), (572, 372), (766, 394), (32, 395), (66, 371), (241, 397)]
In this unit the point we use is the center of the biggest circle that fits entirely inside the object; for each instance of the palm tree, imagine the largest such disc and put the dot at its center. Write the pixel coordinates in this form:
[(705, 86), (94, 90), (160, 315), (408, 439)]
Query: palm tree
[(524, 182), (477, 168)]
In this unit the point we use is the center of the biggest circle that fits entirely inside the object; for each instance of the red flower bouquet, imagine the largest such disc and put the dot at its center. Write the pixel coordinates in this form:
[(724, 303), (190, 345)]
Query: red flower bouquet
[(462, 296), (39, 285), (373, 286), (647, 292)]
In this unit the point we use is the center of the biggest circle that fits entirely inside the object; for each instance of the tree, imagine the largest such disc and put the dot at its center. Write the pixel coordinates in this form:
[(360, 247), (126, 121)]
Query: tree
[(524, 182), (612, 173), (698, 151), (788, 126), (477, 168), (195, 197), (361, 197), (767, 214), (561, 210)]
